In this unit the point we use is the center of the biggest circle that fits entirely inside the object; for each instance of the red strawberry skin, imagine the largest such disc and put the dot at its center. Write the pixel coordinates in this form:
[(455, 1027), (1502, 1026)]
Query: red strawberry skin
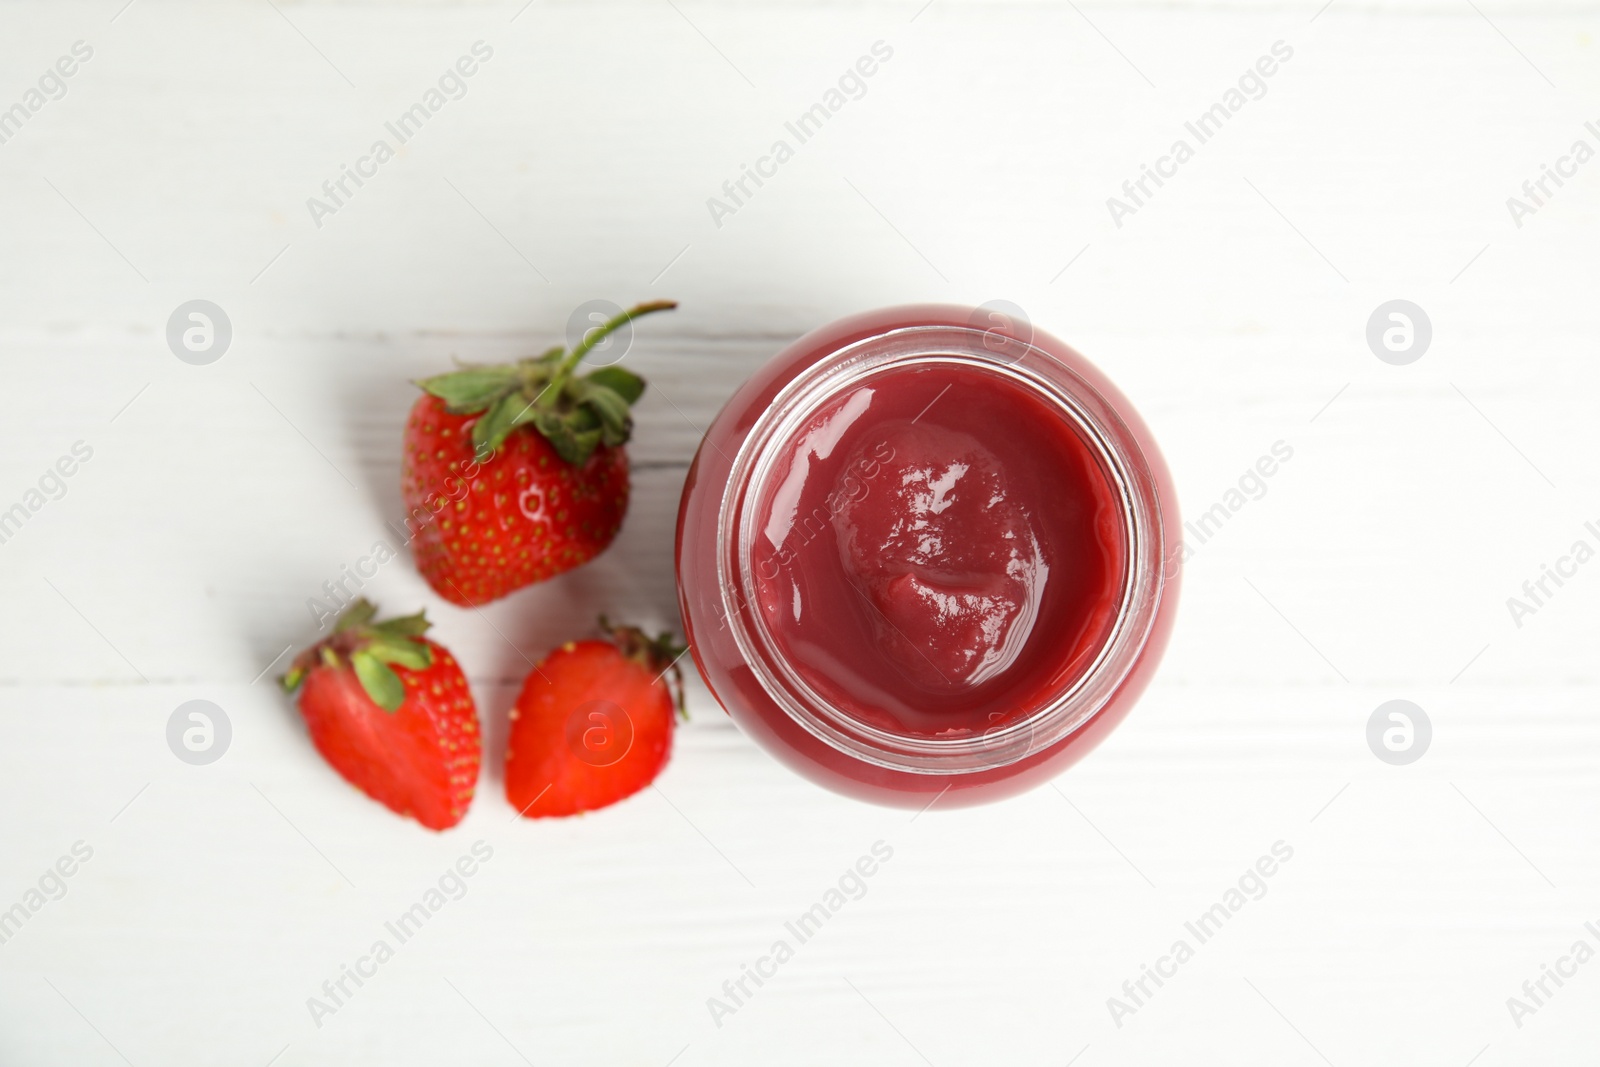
[(422, 760), (546, 774), (524, 515)]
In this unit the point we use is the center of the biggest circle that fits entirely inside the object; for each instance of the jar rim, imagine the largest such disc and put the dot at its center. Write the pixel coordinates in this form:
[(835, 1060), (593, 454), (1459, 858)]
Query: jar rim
[(1117, 450)]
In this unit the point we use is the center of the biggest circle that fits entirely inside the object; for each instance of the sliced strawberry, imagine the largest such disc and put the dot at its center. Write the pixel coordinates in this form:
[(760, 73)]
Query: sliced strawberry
[(391, 712), (593, 724)]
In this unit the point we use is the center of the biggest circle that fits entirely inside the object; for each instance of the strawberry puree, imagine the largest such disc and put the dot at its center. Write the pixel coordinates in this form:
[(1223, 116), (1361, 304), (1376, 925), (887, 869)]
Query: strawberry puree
[(943, 551)]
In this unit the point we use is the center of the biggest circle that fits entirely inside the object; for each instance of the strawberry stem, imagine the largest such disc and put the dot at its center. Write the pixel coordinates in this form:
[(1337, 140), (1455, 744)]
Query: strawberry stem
[(598, 334), (575, 414)]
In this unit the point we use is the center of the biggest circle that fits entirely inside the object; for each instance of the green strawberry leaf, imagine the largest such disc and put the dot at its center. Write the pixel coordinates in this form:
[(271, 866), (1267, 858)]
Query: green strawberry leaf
[(489, 432), (575, 414), (405, 625), (626, 384), (609, 409), (369, 648), (356, 616), (572, 435), (472, 388), (412, 655), (380, 682)]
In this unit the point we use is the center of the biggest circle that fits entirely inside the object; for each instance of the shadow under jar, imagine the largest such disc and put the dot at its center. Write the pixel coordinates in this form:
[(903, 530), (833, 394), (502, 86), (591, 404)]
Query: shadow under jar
[(927, 555)]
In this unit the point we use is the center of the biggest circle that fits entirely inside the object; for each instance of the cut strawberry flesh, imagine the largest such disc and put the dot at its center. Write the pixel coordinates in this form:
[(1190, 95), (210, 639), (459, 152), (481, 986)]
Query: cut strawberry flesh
[(397, 759)]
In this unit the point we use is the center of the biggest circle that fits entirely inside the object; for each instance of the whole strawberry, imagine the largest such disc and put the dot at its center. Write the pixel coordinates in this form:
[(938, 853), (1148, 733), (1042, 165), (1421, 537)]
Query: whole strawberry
[(513, 474), (593, 723), (390, 710)]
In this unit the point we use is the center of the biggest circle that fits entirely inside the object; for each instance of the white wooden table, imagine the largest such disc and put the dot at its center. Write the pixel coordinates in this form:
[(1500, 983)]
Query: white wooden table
[(1231, 305)]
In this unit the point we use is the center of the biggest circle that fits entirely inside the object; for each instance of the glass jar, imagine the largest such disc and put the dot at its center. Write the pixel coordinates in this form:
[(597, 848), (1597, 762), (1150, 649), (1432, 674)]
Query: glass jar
[(928, 555)]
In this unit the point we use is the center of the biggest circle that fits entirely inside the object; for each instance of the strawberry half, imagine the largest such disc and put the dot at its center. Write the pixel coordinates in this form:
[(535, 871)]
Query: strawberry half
[(391, 711), (593, 723), (513, 474)]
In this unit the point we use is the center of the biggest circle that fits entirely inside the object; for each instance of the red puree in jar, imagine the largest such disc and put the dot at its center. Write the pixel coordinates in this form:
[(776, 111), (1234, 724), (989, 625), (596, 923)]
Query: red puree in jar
[(928, 555), (940, 551)]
